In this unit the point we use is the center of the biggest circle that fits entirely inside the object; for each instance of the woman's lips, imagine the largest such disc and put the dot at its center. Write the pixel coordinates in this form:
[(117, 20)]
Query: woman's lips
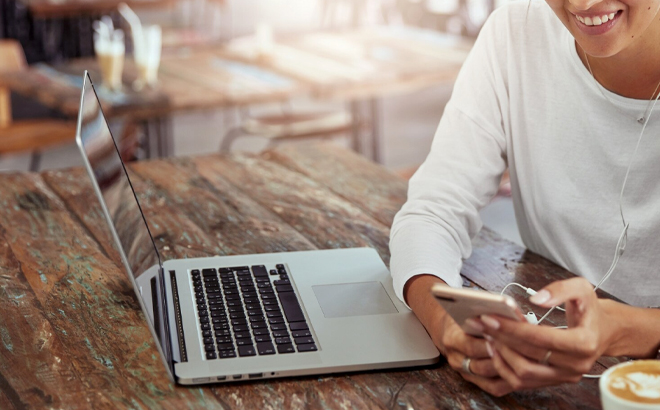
[(596, 24)]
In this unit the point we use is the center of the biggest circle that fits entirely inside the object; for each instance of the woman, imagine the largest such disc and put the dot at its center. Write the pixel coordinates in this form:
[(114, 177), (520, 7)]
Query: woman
[(559, 92)]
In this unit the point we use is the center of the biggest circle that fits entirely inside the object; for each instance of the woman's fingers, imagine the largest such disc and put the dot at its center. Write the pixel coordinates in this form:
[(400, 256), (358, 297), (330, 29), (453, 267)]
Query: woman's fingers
[(479, 367), (537, 354), (531, 372), (576, 342)]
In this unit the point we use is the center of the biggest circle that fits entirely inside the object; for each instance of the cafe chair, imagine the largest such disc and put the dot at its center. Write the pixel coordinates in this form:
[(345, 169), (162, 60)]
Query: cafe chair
[(32, 135), (290, 127)]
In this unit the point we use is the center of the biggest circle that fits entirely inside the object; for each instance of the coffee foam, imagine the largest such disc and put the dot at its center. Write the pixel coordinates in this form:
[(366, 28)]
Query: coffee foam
[(638, 382)]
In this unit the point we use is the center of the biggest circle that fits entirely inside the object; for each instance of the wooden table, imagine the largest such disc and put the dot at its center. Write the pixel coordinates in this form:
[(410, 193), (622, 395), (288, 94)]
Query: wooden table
[(74, 8), (73, 335), (360, 66)]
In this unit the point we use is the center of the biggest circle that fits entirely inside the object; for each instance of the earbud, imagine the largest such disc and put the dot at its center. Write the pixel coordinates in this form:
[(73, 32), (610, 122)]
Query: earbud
[(531, 318)]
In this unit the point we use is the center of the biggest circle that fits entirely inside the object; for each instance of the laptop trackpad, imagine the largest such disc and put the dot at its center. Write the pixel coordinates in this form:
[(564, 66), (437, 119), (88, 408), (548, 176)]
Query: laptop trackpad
[(353, 299)]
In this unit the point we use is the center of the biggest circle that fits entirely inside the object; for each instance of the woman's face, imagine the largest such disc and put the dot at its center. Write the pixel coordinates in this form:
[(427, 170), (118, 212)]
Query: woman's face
[(604, 28)]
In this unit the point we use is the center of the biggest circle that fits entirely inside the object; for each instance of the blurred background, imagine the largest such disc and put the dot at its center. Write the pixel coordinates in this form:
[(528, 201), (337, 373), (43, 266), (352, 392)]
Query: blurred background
[(194, 77)]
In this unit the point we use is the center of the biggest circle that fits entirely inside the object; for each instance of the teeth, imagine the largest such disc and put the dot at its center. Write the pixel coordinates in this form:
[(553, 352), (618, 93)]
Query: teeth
[(596, 21)]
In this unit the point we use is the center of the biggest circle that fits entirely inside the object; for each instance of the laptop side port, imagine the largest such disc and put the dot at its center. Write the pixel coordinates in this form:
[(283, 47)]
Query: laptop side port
[(255, 375), (221, 378), (237, 376)]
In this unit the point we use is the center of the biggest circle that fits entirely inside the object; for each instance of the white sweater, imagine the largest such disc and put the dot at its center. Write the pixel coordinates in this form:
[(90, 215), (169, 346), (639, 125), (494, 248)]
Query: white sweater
[(524, 99)]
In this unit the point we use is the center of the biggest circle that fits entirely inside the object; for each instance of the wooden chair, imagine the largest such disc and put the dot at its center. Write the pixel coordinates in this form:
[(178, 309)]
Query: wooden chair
[(26, 135)]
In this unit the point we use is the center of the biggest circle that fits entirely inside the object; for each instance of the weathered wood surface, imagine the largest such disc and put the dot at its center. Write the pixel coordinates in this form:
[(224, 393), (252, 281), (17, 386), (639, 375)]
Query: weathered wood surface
[(73, 335)]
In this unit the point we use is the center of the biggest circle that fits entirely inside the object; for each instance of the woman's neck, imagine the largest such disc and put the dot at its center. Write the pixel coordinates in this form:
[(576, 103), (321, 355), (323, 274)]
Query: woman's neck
[(633, 72)]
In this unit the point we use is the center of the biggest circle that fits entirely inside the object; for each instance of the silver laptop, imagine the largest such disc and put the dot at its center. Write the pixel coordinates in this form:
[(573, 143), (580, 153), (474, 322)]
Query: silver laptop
[(223, 319)]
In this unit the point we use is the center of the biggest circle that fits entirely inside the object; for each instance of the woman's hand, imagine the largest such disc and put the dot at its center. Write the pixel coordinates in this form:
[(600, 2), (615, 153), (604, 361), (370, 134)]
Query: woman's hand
[(529, 356), (451, 340)]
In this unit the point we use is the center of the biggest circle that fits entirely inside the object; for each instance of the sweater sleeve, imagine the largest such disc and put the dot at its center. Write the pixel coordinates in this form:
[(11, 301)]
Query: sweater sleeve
[(432, 232)]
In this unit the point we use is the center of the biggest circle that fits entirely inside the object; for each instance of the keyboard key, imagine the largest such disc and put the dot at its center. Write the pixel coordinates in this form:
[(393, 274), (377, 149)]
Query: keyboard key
[(259, 318), (286, 348), (272, 308), (244, 342), (263, 280), (235, 268), (280, 333), (219, 333), (273, 314), (273, 272), (301, 333), (240, 315), (311, 347), (259, 325), (268, 296), (250, 295), (279, 326), (223, 340), (303, 340), (209, 348), (208, 340), (225, 346), (255, 313), (211, 355), (264, 285), (261, 332), (298, 326), (265, 348), (282, 340), (266, 291), (238, 322), (262, 338), (284, 288), (242, 335), (206, 333), (279, 266), (276, 320), (241, 328), (270, 302), (291, 307), (224, 270), (259, 270), (209, 273), (247, 351), (253, 300), (281, 282), (226, 354)]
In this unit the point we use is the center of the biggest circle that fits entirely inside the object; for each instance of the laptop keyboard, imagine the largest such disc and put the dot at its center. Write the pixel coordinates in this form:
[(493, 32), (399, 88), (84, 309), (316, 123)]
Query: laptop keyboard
[(247, 311)]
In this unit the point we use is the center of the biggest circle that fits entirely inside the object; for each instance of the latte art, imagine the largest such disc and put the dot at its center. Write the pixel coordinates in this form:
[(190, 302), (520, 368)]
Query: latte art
[(637, 382)]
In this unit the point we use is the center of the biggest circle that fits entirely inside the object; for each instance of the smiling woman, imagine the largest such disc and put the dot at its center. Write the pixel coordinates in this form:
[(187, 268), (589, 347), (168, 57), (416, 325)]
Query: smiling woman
[(562, 93)]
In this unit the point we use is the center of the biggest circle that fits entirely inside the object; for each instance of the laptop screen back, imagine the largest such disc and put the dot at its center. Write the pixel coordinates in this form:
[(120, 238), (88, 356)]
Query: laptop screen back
[(103, 155), (110, 179)]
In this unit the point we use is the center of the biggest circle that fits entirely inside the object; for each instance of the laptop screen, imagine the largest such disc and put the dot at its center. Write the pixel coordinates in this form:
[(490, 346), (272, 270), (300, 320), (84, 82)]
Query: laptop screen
[(103, 154)]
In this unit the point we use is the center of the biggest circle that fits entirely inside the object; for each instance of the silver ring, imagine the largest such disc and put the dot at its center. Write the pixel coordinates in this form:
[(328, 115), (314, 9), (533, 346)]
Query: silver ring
[(466, 365), (546, 358)]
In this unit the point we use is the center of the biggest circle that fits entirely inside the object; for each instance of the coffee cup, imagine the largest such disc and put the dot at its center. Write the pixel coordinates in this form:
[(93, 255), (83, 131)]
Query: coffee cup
[(110, 56), (633, 385)]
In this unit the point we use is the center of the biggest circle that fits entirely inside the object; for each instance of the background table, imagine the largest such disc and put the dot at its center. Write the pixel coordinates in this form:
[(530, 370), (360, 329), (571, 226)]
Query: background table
[(73, 335), (358, 66)]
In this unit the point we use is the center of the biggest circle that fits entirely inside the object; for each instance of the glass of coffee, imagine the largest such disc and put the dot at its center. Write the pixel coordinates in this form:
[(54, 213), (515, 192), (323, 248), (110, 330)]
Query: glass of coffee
[(110, 56), (632, 385)]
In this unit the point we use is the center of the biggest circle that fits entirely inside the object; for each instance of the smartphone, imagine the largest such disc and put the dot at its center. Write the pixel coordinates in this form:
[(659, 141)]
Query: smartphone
[(463, 304)]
